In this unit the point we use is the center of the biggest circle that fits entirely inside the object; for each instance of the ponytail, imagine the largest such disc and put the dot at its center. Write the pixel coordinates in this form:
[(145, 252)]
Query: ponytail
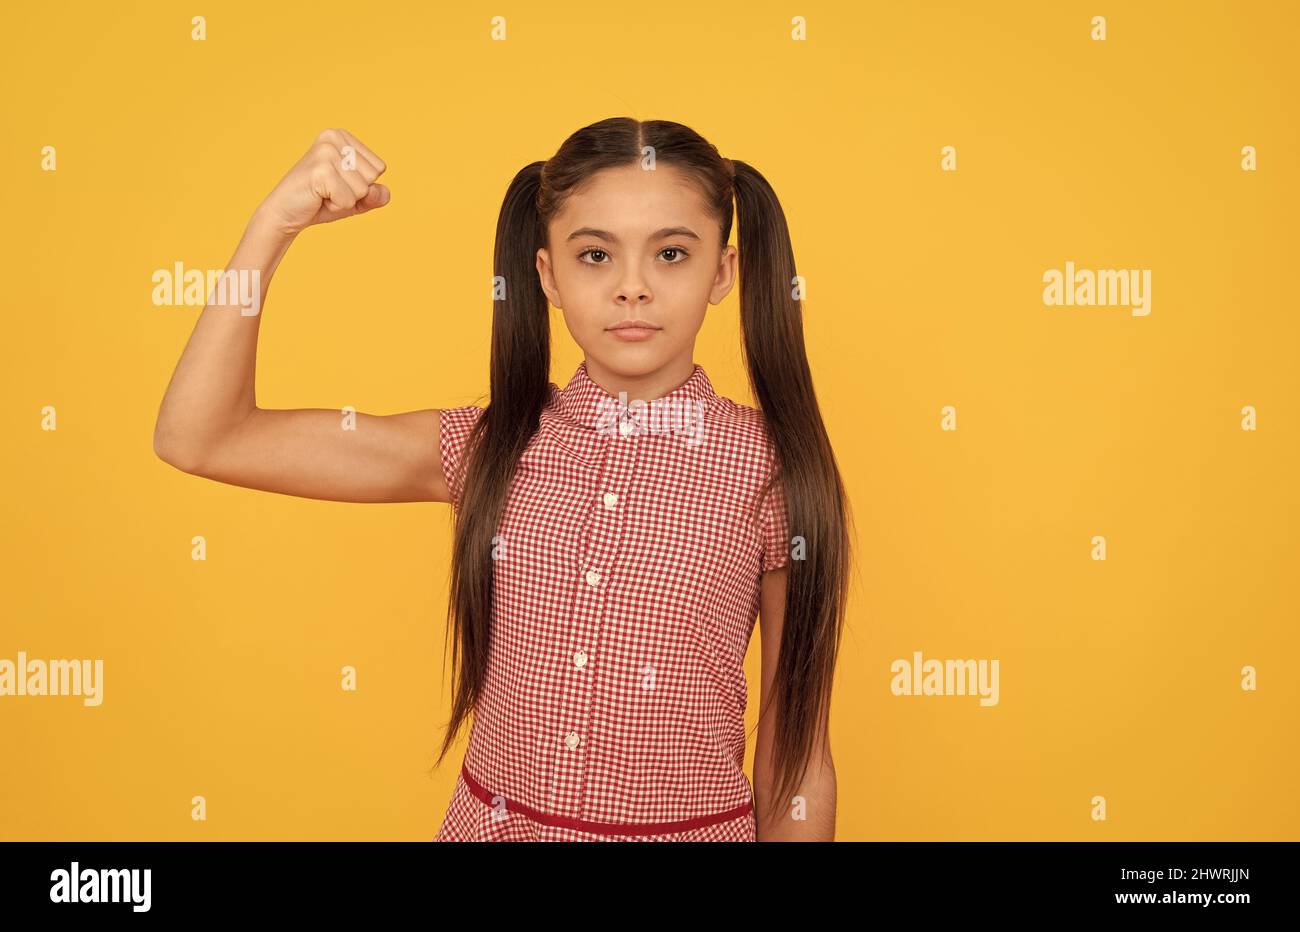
[(520, 378), (771, 321)]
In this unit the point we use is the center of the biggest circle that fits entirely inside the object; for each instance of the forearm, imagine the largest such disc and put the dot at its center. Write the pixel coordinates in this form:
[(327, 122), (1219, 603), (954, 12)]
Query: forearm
[(212, 388), (808, 815)]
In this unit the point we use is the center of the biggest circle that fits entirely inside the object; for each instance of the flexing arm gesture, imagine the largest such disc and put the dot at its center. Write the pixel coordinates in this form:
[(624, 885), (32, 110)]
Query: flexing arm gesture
[(209, 423)]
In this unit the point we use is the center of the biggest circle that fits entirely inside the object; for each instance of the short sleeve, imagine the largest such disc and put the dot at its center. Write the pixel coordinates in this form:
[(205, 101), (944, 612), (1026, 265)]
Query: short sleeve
[(454, 425), (774, 527)]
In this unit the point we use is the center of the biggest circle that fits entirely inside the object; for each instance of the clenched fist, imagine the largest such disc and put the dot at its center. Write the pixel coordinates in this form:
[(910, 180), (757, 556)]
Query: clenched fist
[(335, 179)]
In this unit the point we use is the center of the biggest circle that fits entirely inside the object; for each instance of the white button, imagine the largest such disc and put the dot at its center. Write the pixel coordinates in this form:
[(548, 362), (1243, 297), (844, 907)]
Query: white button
[(610, 500), (593, 577), (572, 739), (580, 659), (626, 427)]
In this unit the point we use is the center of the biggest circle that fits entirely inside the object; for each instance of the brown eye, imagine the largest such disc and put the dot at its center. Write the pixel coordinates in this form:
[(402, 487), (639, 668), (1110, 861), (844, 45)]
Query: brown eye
[(589, 252), (675, 249)]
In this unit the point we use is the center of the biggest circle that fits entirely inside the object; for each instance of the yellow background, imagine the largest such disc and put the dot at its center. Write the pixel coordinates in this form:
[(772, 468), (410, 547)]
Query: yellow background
[(1118, 678)]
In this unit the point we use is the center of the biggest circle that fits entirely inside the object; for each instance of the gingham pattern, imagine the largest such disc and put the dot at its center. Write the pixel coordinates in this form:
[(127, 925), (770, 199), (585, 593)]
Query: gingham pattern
[(626, 587)]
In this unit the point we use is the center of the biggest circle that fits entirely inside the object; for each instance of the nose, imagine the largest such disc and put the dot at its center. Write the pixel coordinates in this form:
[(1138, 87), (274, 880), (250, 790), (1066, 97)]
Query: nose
[(633, 290)]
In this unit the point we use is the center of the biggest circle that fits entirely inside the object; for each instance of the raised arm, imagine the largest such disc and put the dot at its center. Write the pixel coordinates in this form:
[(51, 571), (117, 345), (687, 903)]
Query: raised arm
[(209, 423)]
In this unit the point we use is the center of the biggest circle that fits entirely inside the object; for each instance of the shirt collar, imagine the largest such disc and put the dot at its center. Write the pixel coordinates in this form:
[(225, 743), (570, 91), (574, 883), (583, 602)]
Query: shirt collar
[(586, 404)]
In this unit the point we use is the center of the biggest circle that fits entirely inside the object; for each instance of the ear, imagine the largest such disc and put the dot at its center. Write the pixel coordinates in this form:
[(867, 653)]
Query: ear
[(726, 277), (546, 276)]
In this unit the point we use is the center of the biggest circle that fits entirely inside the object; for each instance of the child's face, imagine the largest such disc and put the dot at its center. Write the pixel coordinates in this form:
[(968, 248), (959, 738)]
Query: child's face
[(611, 260)]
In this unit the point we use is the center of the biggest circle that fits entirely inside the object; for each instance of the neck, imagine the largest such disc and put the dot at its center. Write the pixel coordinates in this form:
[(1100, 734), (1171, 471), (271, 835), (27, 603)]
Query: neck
[(645, 386)]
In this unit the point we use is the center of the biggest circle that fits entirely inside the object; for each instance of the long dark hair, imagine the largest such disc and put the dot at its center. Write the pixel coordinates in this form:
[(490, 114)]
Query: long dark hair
[(771, 320)]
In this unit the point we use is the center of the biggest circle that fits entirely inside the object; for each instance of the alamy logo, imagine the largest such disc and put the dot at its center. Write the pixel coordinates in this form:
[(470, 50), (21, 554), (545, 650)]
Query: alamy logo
[(240, 288), (945, 678), (117, 885), (53, 678), (1086, 287), (682, 418)]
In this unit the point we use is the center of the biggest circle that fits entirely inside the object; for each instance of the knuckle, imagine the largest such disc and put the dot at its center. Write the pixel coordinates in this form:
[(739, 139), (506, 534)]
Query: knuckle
[(324, 151)]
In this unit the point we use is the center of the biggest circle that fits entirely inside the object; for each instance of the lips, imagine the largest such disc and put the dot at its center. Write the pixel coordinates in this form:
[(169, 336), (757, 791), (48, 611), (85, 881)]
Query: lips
[(634, 325), (633, 330)]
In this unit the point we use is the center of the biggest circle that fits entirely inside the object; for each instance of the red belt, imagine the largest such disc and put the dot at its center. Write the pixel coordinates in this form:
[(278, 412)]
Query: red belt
[(603, 828)]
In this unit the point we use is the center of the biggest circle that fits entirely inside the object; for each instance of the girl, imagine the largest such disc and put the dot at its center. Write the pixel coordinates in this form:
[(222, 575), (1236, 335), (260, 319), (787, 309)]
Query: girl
[(614, 539)]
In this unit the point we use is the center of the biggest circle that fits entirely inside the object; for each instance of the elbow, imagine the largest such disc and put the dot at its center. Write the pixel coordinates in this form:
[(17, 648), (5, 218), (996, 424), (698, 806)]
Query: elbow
[(170, 447), (190, 444)]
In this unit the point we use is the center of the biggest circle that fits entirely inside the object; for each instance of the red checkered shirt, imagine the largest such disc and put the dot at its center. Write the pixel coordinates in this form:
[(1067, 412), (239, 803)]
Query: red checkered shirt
[(627, 577)]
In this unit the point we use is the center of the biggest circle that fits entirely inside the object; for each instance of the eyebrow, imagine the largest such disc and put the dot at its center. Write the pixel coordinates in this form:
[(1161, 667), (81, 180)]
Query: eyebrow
[(611, 238)]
